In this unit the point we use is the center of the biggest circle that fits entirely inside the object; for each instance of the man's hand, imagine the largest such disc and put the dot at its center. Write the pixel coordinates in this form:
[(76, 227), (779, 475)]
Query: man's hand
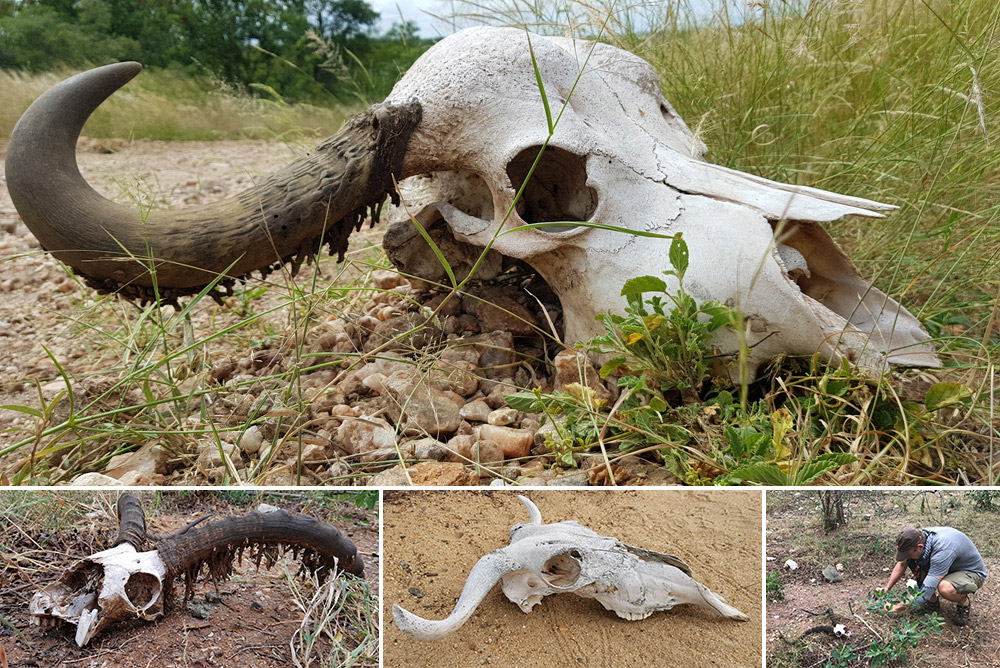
[(898, 607)]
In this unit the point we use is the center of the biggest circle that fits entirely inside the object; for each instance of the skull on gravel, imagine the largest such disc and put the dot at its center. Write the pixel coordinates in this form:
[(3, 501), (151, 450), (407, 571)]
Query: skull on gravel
[(467, 125), (544, 559), (621, 156), (116, 584)]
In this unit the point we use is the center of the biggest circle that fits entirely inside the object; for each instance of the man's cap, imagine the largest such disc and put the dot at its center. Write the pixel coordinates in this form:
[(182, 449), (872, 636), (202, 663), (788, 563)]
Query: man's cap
[(906, 541)]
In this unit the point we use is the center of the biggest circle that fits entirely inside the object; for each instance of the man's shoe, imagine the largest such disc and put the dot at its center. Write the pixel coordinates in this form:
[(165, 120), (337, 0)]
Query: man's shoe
[(962, 614), (931, 606)]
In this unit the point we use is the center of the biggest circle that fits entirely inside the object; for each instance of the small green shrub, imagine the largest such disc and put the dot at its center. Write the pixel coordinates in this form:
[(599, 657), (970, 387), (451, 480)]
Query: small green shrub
[(841, 656), (775, 589)]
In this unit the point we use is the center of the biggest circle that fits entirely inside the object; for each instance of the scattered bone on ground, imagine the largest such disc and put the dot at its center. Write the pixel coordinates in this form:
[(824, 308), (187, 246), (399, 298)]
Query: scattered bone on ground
[(432, 539)]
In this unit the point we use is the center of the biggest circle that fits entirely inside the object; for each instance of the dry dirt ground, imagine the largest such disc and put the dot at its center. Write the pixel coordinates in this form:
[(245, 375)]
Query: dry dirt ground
[(432, 539), (866, 548), (252, 626)]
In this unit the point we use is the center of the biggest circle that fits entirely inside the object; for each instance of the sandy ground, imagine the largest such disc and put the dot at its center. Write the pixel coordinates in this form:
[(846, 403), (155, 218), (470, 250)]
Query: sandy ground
[(432, 539)]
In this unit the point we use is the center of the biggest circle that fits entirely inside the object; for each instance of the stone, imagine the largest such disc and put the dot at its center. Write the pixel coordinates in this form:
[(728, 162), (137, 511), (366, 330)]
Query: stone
[(575, 367), (428, 448), (251, 440), (384, 279), (210, 454), (151, 459), (831, 574), (570, 479), (498, 310), (496, 354), (313, 453), (394, 477), (515, 443), (461, 448), (418, 408), (95, 480), (475, 411), (444, 474), (503, 417), (364, 434)]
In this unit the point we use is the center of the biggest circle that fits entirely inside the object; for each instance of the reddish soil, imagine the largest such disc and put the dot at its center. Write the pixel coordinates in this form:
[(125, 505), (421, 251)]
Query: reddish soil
[(251, 627)]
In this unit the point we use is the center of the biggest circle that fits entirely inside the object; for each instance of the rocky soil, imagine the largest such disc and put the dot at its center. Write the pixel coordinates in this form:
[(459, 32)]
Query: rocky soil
[(347, 395)]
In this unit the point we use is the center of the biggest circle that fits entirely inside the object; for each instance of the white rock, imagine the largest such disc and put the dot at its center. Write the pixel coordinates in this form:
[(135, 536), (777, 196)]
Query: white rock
[(95, 480), (791, 565), (251, 440)]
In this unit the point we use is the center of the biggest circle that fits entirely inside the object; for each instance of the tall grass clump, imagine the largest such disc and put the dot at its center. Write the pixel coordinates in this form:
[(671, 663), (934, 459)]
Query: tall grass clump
[(171, 105)]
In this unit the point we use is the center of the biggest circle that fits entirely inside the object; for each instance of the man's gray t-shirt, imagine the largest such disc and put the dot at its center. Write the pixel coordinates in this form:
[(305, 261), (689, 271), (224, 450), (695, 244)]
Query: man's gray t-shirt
[(947, 550)]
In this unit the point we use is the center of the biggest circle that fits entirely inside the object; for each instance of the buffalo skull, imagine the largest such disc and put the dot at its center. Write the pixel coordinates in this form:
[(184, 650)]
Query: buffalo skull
[(130, 582), (544, 559), (466, 124)]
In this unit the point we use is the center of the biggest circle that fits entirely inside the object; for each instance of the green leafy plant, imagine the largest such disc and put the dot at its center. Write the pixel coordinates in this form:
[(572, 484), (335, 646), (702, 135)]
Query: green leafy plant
[(841, 656), (909, 632), (774, 587), (661, 350)]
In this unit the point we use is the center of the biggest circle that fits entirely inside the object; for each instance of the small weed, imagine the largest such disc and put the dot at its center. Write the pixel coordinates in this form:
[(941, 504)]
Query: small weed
[(774, 587)]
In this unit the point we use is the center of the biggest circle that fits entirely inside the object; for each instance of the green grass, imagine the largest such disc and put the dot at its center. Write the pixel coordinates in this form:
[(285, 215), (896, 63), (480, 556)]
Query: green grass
[(891, 100), (171, 106)]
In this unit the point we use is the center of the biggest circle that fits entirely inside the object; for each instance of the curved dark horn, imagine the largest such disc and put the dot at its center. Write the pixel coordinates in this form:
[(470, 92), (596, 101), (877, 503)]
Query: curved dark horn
[(318, 199), (131, 523), (218, 543)]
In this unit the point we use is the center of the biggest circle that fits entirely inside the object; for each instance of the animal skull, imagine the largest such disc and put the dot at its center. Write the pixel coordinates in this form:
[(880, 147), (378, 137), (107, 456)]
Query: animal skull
[(467, 122), (544, 559), (621, 156), (126, 582), (116, 584)]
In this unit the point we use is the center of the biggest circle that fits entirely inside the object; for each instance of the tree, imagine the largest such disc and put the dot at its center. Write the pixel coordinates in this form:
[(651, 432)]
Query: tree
[(832, 503)]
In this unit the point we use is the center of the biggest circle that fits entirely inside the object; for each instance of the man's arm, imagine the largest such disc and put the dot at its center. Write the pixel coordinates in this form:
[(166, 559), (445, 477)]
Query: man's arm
[(898, 572)]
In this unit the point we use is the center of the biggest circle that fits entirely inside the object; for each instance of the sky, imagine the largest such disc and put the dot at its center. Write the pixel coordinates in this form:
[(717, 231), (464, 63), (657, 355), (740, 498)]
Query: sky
[(421, 11)]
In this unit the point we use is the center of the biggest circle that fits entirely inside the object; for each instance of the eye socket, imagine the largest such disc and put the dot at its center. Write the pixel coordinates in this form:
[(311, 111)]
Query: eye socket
[(141, 589), (562, 570), (557, 190)]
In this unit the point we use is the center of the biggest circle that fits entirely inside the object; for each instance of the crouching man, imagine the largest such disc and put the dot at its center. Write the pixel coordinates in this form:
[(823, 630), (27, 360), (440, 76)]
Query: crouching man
[(946, 565)]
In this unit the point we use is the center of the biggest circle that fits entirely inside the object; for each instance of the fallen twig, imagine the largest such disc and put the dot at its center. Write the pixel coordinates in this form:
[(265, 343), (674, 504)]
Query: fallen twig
[(861, 619)]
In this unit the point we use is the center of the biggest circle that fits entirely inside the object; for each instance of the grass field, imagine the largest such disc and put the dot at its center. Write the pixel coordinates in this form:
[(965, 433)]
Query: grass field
[(893, 100)]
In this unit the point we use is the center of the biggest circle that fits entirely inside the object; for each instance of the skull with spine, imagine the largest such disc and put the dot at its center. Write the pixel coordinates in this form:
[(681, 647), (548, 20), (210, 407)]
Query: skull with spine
[(544, 559), (130, 582), (467, 125)]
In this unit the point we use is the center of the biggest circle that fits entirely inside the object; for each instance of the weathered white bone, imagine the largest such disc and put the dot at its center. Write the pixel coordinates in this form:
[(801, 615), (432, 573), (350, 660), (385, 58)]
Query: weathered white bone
[(544, 559), (622, 156), (120, 583)]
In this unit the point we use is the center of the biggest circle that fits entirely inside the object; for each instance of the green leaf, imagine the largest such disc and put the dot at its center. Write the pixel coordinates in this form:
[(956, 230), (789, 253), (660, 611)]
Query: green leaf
[(541, 86), (942, 395), (526, 402), (766, 474), (23, 409), (812, 470), (611, 365), (641, 284), (679, 255)]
